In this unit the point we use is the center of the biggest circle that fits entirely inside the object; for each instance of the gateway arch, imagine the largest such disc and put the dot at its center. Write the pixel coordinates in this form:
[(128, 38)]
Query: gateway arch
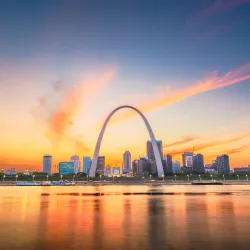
[(93, 166)]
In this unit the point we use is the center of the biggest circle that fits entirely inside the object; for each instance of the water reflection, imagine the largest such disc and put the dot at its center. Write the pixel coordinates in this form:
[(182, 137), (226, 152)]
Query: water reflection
[(67, 218)]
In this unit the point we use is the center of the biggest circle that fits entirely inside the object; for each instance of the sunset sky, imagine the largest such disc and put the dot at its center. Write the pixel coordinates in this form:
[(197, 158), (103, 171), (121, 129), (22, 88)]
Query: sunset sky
[(65, 65)]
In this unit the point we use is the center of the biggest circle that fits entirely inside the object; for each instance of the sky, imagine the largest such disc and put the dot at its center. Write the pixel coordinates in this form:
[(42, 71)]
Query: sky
[(65, 65)]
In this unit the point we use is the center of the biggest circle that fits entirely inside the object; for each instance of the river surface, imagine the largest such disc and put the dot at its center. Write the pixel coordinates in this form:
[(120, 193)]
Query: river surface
[(125, 217)]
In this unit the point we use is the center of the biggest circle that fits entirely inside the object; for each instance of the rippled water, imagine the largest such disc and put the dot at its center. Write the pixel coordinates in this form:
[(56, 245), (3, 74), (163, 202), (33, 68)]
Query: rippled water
[(125, 217)]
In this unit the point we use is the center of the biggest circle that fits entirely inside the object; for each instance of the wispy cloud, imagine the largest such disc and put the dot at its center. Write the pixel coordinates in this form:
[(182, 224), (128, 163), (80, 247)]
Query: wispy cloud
[(211, 82), (202, 146), (59, 116), (180, 142), (216, 7), (237, 150)]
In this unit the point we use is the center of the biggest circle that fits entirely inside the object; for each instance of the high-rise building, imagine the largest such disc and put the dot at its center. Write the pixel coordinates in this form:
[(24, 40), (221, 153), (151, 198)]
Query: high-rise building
[(169, 164), (100, 165), (198, 164), (142, 166), (134, 167), (150, 152), (66, 168), (187, 161), (86, 164), (222, 163), (176, 167), (77, 164), (47, 163), (107, 170), (126, 162)]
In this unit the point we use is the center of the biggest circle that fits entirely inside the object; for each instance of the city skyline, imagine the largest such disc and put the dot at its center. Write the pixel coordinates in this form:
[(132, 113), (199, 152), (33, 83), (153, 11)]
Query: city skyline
[(63, 72)]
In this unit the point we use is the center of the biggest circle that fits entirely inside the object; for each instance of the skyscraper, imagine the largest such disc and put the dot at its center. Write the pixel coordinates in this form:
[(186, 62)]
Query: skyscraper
[(222, 163), (176, 167), (100, 165), (187, 161), (126, 162), (107, 170), (86, 164), (198, 164), (150, 152), (169, 164), (47, 162), (77, 164)]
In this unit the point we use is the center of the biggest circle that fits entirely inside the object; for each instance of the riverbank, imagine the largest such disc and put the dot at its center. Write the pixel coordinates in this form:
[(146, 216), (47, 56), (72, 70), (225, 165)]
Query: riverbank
[(135, 183)]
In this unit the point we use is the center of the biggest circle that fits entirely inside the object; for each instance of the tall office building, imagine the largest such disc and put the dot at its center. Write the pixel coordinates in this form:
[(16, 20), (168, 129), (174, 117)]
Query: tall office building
[(222, 163), (150, 152), (143, 166), (100, 165), (198, 164), (47, 163), (66, 168), (187, 161), (107, 170), (126, 162), (86, 164), (77, 164), (169, 164), (176, 167)]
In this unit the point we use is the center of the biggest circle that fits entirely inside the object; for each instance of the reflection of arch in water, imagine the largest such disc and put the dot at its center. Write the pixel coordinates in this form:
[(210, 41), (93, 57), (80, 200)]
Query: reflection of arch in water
[(151, 134)]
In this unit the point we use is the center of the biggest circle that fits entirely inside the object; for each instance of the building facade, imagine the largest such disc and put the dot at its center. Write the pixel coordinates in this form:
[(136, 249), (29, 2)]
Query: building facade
[(187, 162), (47, 164), (126, 162), (107, 170), (100, 165), (150, 152), (86, 164), (169, 164), (77, 164), (176, 167), (198, 164), (223, 166), (66, 168), (116, 171)]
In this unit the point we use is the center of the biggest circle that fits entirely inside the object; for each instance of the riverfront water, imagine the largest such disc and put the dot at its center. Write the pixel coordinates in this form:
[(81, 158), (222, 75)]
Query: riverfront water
[(125, 217)]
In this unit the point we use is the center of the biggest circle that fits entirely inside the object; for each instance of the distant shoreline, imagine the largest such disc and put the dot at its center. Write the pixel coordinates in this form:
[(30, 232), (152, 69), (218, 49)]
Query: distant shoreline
[(159, 183)]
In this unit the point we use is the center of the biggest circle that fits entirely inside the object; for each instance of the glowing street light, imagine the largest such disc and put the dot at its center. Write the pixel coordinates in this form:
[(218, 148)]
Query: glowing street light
[(163, 178), (188, 177), (61, 177), (73, 178), (238, 177), (224, 177), (247, 177), (211, 177), (4, 177), (16, 177), (33, 177), (47, 177), (87, 177), (150, 177), (175, 177), (100, 177), (200, 177)]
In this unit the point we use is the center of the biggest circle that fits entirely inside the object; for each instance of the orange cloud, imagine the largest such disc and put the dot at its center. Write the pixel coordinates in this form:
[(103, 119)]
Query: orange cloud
[(59, 116), (180, 142), (210, 144), (237, 150), (211, 82)]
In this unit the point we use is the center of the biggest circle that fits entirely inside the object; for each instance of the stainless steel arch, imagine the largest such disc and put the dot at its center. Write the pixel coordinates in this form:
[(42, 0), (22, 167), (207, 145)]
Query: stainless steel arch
[(151, 134)]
